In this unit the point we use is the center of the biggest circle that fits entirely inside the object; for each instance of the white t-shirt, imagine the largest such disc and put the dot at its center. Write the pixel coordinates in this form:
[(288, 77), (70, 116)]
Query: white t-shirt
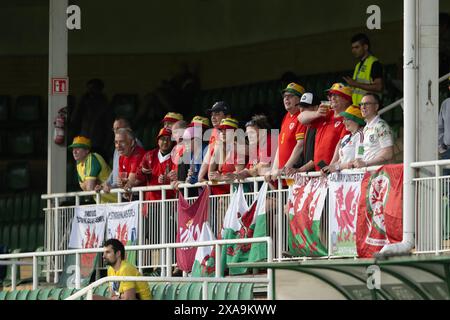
[(377, 136), (351, 147)]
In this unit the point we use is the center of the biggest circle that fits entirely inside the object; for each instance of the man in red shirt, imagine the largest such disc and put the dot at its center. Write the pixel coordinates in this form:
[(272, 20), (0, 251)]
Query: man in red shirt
[(156, 165), (130, 156), (292, 132), (329, 124)]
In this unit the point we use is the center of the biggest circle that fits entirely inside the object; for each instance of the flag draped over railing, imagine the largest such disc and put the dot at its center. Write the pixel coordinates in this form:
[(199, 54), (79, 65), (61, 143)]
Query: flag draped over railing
[(191, 220), (305, 207), (380, 210)]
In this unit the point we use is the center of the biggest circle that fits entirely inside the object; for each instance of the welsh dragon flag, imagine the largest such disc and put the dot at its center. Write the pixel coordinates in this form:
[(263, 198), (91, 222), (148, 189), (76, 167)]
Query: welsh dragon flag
[(244, 222), (191, 220), (204, 264), (305, 211), (380, 210)]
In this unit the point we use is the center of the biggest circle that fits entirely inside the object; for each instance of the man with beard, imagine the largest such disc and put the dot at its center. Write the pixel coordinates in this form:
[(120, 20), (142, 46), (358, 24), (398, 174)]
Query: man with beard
[(114, 257)]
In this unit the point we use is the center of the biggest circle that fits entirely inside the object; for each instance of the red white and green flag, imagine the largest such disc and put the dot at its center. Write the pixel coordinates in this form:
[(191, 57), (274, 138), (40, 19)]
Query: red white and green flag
[(380, 210), (191, 220), (344, 193), (242, 222), (305, 206), (205, 262)]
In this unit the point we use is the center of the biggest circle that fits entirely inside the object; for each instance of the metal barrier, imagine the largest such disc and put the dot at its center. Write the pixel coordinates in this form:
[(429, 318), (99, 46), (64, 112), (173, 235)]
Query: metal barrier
[(432, 216), (167, 247)]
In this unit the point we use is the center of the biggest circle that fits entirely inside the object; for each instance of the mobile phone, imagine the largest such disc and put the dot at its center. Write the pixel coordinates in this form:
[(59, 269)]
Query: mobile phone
[(322, 164)]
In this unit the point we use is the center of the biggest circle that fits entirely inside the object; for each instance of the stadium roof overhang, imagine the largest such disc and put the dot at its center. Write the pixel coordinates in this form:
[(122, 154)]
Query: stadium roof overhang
[(395, 278)]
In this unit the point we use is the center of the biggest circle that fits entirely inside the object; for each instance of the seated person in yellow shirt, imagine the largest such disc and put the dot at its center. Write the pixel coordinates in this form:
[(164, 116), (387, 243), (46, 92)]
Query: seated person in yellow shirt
[(114, 257)]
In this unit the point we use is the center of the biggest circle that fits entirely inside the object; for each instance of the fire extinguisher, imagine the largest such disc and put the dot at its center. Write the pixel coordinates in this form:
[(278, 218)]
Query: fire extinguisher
[(60, 124)]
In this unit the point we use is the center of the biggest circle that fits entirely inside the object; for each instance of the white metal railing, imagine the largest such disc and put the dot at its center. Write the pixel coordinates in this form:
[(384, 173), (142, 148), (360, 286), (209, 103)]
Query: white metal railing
[(88, 291), (432, 216), (168, 246)]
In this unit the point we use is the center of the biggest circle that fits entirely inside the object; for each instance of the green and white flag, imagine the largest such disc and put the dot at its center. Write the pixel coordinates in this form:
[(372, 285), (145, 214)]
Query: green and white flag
[(243, 222), (204, 264)]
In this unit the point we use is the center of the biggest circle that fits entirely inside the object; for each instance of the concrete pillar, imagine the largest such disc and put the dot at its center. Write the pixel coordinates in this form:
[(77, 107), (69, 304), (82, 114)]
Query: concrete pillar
[(428, 85), (57, 158)]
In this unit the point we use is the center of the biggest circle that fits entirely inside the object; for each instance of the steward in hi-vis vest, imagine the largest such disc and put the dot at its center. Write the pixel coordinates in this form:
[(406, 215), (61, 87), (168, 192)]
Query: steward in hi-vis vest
[(368, 73)]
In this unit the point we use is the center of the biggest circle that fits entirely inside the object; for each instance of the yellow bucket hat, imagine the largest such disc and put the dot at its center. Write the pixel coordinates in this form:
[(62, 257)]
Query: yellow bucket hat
[(295, 89), (81, 142), (172, 117), (342, 90), (200, 121), (354, 113), (229, 123)]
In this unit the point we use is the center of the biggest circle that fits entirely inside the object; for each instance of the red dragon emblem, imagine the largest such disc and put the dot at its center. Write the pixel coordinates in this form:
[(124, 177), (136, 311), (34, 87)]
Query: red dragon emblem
[(122, 233), (245, 220), (345, 212), (87, 260)]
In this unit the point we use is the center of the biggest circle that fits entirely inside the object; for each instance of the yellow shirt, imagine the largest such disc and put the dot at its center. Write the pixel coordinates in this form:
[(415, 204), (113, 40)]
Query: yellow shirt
[(126, 269)]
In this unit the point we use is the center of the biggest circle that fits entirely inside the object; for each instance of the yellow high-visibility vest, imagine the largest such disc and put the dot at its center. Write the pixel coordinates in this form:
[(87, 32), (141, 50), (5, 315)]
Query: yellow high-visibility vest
[(362, 75)]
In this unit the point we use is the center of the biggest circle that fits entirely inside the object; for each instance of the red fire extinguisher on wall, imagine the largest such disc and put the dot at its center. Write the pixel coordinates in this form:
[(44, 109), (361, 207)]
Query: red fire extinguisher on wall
[(59, 134)]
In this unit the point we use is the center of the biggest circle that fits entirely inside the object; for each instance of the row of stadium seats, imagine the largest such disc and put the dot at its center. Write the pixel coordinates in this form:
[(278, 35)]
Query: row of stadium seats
[(21, 207), (27, 108), (25, 236), (160, 291), (18, 175), (23, 142)]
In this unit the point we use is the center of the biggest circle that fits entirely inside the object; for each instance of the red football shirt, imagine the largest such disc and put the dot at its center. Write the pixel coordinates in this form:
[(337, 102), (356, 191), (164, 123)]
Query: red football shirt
[(131, 163), (330, 130), (291, 132), (159, 165)]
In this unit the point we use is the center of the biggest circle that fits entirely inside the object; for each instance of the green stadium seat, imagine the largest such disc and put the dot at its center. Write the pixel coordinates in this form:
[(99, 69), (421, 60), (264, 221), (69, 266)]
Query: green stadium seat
[(17, 208), (56, 293), (33, 295), (10, 209), (18, 176), (40, 234), (2, 210), (221, 291), (195, 292), (21, 142), (34, 206), (5, 234), (246, 291), (125, 105), (3, 294), (171, 291), (5, 103), (233, 291), (102, 290), (44, 294), (183, 292), (32, 235), (28, 108), (12, 295), (67, 292), (212, 290), (23, 294), (23, 237), (158, 291), (14, 237), (26, 207)]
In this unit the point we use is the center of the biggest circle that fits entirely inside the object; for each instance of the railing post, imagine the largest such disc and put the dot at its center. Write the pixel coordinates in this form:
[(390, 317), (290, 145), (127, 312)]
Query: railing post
[(48, 247), (280, 219), (141, 228), (205, 290), (35, 273), (77, 271), (89, 295), (163, 231), (13, 276), (218, 248), (269, 270), (437, 209), (56, 276), (168, 262)]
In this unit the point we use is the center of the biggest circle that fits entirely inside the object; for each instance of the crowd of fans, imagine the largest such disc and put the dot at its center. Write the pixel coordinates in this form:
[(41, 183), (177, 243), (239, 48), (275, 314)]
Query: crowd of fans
[(342, 132)]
